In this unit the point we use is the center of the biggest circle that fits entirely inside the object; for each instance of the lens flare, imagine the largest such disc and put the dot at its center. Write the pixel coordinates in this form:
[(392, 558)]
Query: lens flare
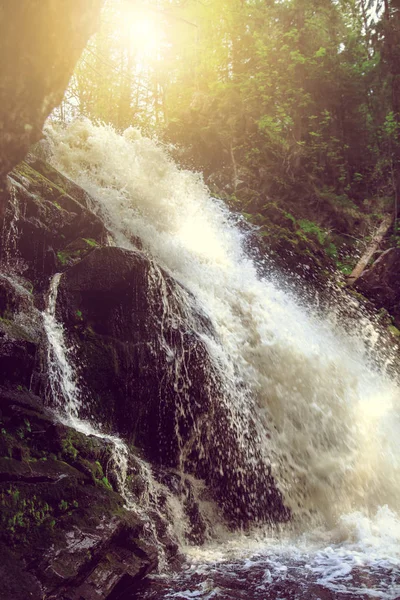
[(142, 30)]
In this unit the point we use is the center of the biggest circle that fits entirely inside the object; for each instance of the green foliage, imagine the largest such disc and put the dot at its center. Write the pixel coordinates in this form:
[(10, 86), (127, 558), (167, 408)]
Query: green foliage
[(106, 483), (69, 452), (313, 229), (345, 267), (63, 258), (19, 514), (295, 100), (331, 250), (63, 505), (90, 242)]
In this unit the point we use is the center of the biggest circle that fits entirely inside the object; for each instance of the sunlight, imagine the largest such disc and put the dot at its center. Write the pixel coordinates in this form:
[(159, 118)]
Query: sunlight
[(143, 30), (197, 236)]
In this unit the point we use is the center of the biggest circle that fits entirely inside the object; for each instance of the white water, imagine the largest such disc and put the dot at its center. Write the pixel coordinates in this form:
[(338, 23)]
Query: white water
[(10, 232), (68, 396), (66, 393), (328, 418)]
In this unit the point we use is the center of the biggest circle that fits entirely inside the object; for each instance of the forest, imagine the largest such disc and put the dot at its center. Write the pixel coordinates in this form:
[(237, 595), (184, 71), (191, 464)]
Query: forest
[(290, 108), (199, 299)]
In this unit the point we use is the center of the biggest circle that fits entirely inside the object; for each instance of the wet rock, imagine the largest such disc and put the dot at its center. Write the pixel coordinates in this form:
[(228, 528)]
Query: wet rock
[(62, 521), (111, 564), (17, 583), (46, 228), (108, 306), (381, 283), (147, 374), (20, 332), (58, 179)]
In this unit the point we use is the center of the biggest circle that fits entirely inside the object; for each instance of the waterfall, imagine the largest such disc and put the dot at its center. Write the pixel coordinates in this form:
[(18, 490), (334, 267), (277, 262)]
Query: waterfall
[(62, 378), (10, 233), (327, 416), (66, 393), (67, 396)]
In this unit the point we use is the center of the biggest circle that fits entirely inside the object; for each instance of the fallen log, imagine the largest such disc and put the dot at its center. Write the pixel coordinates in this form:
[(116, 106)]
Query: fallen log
[(372, 247)]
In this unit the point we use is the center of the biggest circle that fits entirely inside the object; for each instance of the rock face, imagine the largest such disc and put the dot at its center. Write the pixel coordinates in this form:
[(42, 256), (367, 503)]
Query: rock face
[(64, 531), (381, 283), (47, 224), (40, 43), (145, 374), (138, 339), (57, 514)]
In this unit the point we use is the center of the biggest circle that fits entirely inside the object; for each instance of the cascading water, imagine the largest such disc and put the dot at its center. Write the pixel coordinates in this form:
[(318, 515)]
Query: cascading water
[(67, 395), (327, 419), (65, 391), (10, 233)]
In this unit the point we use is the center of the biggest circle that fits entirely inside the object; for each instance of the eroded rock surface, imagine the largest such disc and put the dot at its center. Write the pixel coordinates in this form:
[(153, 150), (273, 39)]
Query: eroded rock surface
[(145, 374), (139, 344)]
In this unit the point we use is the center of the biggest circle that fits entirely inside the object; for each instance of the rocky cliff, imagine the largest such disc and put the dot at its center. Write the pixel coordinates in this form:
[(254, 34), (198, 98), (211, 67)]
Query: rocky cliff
[(65, 531), (143, 372)]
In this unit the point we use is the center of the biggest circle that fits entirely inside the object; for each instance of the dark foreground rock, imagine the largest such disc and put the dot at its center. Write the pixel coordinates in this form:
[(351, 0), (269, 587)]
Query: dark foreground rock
[(145, 373), (40, 43), (64, 530)]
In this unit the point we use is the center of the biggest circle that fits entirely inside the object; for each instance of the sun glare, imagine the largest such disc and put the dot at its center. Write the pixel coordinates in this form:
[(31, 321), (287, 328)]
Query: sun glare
[(143, 31)]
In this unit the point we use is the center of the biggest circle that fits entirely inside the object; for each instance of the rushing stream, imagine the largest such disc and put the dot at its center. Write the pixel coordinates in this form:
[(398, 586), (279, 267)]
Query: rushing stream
[(327, 417)]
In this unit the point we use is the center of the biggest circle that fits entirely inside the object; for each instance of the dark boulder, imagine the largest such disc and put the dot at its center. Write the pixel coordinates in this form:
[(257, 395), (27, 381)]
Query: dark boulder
[(48, 224), (146, 373), (112, 307)]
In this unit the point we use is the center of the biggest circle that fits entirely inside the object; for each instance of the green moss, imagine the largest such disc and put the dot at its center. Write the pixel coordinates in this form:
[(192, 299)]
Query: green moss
[(66, 257), (90, 242), (331, 250), (106, 483), (62, 258), (20, 514), (68, 450), (345, 268), (313, 229), (290, 217), (49, 188), (394, 331)]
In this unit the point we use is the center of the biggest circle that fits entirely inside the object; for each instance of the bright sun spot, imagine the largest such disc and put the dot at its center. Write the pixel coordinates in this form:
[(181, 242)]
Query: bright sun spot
[(143, 31)]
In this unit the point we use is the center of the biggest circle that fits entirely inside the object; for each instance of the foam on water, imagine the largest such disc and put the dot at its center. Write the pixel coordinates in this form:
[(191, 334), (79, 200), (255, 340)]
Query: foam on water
[(359, 560), (328, 417)]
